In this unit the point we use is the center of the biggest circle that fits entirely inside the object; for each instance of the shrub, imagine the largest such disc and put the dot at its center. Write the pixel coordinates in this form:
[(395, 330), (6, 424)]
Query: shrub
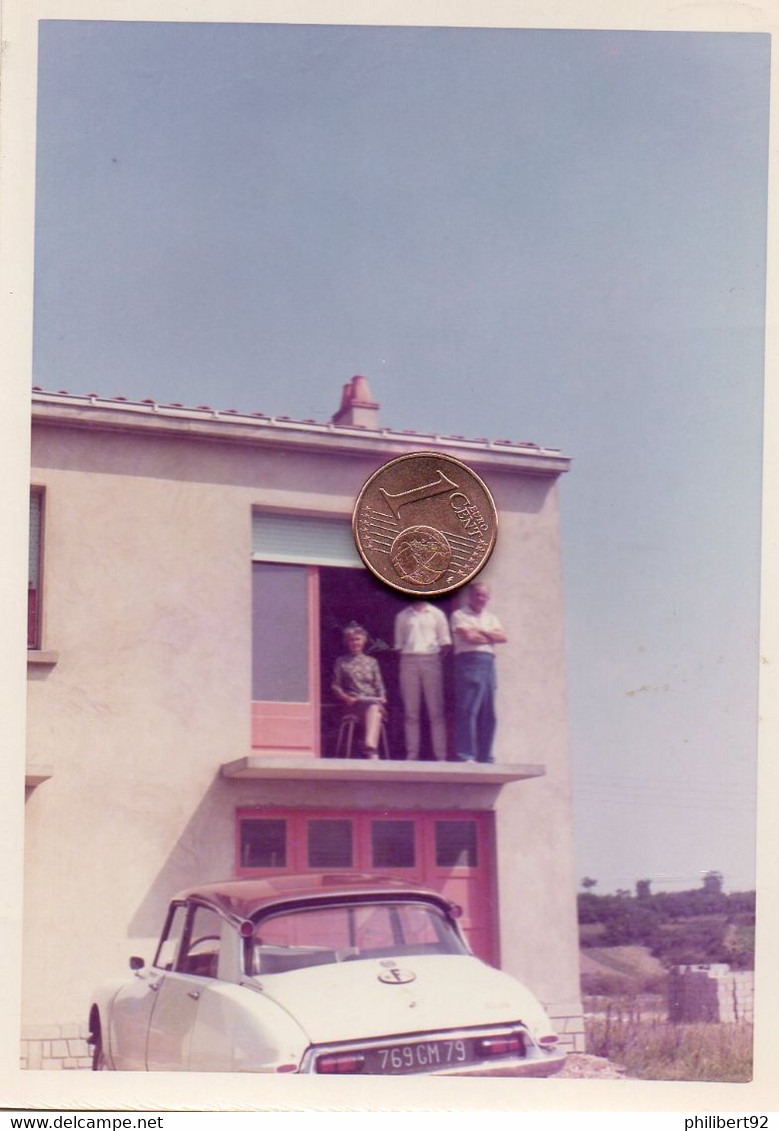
[(691, 942), (607, 985), (687, 927), (634, 922), (741, 948), (589, 907), (591, 934), (613, 985), (654, 984)]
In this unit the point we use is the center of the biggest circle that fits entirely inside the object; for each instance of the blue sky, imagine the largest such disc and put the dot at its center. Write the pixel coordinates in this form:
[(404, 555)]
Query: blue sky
[(555, 236)]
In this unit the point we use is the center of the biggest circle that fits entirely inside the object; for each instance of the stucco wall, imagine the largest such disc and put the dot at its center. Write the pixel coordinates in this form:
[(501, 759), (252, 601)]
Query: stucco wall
[(536, 880), (146, 601)]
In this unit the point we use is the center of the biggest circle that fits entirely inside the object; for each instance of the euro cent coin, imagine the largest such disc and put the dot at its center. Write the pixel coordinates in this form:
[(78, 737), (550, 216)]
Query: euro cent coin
[(425, 523)]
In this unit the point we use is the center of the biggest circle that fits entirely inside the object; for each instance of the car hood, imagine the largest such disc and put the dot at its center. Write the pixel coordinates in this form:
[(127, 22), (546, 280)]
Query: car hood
[(362, 999)]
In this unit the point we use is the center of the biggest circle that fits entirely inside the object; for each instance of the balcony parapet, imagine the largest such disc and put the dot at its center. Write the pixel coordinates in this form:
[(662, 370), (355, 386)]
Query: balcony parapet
[(256, 766)]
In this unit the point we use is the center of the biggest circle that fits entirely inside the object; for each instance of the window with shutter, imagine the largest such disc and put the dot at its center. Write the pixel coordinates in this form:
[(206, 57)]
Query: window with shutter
[(35, 561)]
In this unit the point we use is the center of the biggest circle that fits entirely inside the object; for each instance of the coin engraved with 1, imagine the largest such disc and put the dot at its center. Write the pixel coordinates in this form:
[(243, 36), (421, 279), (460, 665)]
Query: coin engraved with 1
[(425, 523)]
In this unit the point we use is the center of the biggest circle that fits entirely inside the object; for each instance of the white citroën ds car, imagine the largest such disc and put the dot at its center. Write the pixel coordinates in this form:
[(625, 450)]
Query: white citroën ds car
[(319, 974)]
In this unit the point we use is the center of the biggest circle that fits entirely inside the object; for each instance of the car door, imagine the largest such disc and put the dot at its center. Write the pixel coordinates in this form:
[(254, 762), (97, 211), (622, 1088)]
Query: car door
[(175, 1011), (134, 1005)]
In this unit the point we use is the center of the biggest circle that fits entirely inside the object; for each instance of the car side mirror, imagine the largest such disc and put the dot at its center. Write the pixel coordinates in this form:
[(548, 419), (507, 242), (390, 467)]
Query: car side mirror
[(137, 963)]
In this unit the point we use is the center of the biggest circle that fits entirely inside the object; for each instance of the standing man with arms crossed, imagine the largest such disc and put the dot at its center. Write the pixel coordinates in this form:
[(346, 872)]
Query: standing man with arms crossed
[(421, 635), (476, 632)]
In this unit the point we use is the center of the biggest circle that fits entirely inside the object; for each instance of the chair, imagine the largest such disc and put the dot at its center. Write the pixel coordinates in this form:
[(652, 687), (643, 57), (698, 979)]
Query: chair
[(349, 723)]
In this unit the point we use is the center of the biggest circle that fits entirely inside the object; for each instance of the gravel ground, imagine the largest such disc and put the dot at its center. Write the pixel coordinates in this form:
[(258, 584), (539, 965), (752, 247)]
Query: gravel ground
[(580, 1066)]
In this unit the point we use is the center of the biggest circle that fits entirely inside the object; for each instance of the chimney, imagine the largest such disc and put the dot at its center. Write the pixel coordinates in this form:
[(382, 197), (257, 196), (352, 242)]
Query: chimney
[(358, 408)]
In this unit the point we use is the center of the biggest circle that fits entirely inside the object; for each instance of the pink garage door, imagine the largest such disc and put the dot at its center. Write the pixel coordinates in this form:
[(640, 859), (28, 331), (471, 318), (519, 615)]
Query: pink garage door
[(450, 852)]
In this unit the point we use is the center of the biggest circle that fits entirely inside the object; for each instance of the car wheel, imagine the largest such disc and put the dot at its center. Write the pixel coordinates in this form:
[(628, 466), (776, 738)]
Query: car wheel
[(99, 1063)]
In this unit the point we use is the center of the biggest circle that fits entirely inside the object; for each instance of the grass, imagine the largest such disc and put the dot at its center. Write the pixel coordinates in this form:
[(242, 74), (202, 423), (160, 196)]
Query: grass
[(654, 1049)]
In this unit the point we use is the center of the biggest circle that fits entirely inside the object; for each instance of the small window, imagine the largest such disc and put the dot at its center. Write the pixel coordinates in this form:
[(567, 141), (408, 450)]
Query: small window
[(393, 844), (330, 844), (263, 843), (169, 943), (455, 844), (200, 955), (34, 572)]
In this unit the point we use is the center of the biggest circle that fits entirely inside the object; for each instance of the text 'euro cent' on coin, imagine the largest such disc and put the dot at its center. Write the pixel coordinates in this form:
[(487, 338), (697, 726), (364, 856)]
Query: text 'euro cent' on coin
[(425, 523)]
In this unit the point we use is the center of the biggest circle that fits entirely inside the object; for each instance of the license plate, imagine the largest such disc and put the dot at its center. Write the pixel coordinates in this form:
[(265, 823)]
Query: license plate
[(421, 1056)]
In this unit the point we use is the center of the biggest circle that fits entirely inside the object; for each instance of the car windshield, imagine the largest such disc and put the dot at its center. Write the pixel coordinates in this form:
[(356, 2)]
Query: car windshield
[(348, 932)]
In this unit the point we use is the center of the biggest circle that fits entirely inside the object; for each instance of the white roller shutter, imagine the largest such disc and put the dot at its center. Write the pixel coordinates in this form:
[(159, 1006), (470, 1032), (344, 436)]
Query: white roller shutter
[(303, 539)]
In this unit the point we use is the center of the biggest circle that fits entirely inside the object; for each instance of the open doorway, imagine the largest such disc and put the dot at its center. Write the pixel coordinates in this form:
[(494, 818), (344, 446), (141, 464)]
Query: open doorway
[(354, 595)]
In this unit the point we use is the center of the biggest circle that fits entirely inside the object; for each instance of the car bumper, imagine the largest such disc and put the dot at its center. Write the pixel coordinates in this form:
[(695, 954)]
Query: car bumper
[(529, 1067), (367, 1057)]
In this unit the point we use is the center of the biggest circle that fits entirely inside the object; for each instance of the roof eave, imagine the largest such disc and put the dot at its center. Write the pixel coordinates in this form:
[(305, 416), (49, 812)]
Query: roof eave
[(255, 430)]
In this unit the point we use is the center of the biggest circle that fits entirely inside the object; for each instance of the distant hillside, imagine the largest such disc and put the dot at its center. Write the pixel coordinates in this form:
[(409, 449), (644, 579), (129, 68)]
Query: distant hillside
[(621, 970), (676, 928)]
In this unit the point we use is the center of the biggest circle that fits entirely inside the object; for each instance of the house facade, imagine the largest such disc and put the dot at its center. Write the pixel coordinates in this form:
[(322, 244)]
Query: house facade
[(191, 573)]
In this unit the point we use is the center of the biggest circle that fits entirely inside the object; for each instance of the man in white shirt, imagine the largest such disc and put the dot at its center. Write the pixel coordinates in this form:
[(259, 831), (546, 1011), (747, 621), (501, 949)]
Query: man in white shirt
[(476, 632), (421, 636)]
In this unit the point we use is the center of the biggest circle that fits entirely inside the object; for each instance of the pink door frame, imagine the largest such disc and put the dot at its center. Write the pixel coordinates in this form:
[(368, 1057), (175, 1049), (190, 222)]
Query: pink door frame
[(294, 727)]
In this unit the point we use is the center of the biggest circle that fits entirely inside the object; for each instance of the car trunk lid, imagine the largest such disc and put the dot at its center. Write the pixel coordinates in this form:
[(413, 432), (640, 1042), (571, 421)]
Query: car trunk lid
[(373, 998)]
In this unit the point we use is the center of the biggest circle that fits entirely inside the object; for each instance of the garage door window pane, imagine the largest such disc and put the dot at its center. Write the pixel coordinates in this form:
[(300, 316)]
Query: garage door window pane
[(455, 844), (330, 844), (393, 844), (263, 843)]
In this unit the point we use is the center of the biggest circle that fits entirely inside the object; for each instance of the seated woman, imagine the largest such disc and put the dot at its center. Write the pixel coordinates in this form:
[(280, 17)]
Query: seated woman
[(358, 684)]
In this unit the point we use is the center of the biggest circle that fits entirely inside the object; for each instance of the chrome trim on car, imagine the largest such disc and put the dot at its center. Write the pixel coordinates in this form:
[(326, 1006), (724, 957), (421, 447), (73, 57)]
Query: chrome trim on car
[(537, 1061)]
